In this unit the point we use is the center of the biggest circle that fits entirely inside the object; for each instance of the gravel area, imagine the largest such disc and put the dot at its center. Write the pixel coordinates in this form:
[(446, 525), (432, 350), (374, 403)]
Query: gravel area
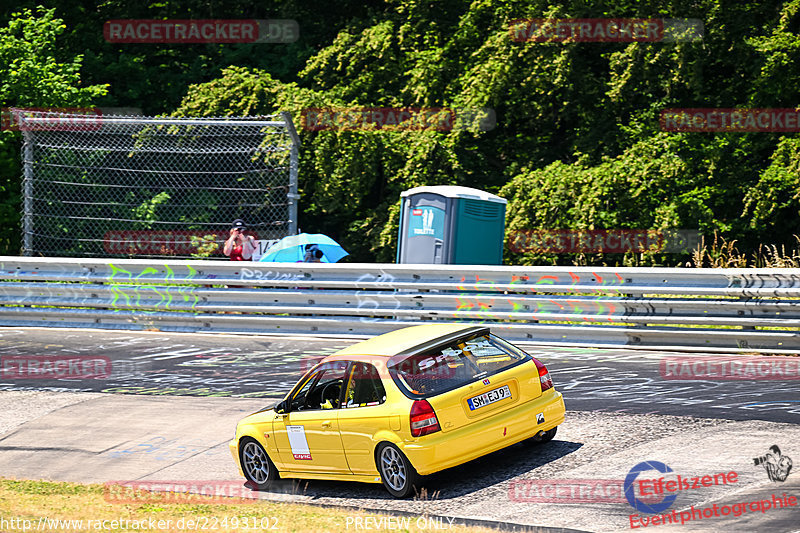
[(482, 489), (589, 445)]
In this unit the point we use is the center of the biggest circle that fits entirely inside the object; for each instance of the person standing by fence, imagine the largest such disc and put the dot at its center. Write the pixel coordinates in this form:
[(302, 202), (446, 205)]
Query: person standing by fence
[(239, 246)]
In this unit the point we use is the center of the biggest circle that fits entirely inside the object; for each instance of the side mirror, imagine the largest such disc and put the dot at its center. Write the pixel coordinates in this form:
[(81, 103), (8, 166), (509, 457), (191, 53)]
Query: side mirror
[(282, 407)]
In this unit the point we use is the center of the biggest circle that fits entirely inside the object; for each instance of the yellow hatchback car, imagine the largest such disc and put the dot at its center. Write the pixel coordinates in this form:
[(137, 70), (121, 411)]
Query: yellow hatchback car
[(401, 406)]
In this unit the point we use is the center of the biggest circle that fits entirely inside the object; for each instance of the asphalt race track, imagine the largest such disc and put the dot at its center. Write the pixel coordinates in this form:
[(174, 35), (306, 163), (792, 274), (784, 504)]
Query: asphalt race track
[(266, 367), (169, 403)]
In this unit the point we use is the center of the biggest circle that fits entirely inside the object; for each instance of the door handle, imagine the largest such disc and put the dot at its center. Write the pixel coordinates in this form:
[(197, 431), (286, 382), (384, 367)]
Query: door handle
[(326, 424)]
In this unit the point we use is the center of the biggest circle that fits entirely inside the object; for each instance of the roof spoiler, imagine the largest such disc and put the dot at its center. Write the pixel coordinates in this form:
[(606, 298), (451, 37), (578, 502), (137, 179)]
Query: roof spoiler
[(440, 342)]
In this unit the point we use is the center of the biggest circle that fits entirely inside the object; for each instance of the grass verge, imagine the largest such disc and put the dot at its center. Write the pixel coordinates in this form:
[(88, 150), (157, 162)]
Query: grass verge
[(27, 505)]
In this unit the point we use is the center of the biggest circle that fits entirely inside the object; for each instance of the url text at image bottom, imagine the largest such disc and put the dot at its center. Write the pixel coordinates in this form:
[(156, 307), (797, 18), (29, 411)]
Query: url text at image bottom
[(195, 523)]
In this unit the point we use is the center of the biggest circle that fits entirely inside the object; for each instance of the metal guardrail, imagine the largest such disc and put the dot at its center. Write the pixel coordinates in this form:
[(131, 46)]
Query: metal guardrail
[(702, 309)]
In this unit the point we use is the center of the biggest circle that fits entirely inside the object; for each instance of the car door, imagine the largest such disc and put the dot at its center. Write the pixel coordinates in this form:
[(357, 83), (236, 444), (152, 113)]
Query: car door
[(307, 437), (363, 415)]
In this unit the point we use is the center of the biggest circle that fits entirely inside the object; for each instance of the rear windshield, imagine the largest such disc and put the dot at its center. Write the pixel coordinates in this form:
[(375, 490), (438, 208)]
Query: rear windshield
[(440, 370)]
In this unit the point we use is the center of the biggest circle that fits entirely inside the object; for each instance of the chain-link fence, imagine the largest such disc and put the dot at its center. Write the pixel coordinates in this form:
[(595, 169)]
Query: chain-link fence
[(154, 187)]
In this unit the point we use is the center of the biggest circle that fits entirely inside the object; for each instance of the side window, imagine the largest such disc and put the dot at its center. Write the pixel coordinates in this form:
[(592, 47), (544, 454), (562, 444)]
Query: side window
[(364, 387), (322, 389)]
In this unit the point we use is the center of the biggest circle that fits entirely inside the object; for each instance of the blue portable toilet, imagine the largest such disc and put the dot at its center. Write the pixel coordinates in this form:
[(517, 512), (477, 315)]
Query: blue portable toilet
[(452, 225)]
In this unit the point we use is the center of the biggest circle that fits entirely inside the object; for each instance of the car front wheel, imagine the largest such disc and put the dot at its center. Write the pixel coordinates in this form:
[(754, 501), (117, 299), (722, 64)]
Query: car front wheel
[(256, 464), (398, 475)]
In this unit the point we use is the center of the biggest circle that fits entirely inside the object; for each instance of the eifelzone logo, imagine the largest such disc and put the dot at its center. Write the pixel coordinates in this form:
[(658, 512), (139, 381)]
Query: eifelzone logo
[(638, 504)]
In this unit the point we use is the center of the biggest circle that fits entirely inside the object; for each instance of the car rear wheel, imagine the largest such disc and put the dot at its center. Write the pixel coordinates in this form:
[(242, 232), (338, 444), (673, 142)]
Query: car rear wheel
[(543, 437), (398, 475), (256, 464)]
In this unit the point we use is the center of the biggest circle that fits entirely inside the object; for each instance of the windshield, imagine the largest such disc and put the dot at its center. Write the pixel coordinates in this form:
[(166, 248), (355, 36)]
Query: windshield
[(436, 371)]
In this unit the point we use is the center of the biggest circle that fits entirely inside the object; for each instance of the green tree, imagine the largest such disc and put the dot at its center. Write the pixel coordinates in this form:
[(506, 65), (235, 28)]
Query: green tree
[(32, 74), (578, 142)]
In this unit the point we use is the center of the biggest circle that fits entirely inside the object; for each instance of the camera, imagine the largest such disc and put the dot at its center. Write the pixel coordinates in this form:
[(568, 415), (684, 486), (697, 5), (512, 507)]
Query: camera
[(763, 459)]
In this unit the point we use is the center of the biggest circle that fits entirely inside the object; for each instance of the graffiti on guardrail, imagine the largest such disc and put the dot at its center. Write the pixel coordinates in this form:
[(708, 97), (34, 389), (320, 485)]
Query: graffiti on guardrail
[(123, 283), (131, 294), (256, 274), (383, 282), (600, 306), (604, 295), (769, 281), (761, 283), (468, 302)]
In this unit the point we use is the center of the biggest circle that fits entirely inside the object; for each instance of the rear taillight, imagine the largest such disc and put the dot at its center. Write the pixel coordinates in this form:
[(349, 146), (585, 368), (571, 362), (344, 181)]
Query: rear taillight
[(423, 419), (544, 375)]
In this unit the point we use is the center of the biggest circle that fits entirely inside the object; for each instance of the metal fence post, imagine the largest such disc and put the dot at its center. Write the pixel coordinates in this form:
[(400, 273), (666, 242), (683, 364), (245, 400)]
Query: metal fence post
[(27, 194), (294, 165)]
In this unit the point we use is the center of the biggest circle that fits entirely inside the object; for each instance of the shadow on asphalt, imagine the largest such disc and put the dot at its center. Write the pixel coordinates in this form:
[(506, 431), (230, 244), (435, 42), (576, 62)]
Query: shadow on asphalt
[(486, 471)]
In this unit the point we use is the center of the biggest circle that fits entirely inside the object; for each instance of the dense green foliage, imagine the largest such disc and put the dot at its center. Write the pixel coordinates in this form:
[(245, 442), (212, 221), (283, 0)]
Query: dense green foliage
[(577, 143), (32, 75)]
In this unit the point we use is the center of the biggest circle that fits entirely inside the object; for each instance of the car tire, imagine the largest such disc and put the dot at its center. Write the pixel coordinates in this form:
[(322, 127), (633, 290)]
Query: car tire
[(258, 468), (398, 475), (544, 437)]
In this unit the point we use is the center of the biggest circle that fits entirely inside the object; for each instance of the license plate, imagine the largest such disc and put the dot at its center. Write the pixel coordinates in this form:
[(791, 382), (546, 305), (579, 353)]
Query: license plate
[(476, 402)]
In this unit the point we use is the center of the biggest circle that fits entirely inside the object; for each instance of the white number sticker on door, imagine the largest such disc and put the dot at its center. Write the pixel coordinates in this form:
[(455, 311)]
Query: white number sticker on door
[(298, 443)]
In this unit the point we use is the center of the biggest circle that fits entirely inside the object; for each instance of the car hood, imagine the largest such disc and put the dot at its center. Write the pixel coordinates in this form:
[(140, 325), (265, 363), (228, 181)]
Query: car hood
[(265, 413)]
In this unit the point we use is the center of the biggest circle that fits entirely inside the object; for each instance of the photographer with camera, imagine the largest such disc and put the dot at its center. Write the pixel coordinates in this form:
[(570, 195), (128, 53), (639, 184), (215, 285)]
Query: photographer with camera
[(240, 245), (776, 464)]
